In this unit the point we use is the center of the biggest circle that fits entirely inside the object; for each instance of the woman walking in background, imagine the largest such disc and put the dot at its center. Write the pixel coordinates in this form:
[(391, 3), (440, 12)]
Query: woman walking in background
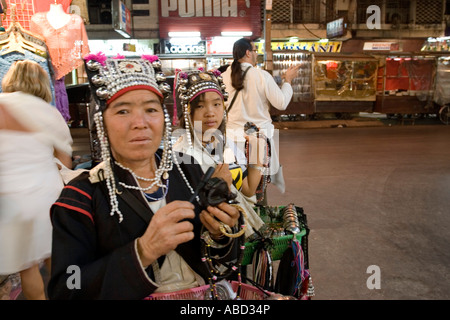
[(32, 134)]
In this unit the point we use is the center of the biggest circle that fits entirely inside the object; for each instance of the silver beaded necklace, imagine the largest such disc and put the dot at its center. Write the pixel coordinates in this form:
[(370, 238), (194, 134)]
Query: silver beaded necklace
[(155, 181)]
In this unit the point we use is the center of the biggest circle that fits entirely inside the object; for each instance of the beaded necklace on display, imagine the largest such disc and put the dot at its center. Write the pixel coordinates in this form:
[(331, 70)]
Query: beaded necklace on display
[(214, 273)]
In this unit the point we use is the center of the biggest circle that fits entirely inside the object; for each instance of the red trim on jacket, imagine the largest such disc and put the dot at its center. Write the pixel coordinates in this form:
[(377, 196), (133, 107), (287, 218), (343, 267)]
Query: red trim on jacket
[(86, 213), (79, 190)]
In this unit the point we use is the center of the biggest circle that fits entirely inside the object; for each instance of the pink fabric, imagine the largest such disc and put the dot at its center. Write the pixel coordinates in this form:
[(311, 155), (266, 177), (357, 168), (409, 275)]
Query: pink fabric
[(26, 9), (66, 45), (44, 5)]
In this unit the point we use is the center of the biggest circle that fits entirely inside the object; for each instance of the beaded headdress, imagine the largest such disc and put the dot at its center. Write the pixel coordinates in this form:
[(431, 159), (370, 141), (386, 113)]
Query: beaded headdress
[(109, 78), (189, 85)]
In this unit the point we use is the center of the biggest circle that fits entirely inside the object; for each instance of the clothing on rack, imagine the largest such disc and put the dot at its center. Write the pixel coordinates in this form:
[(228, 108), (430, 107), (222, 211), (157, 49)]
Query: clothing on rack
[(61, 99), (16, 43), (67, 45)]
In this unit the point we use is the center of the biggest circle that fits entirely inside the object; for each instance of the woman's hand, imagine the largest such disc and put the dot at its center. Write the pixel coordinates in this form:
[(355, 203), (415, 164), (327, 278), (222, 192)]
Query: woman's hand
[(223, 171), (167, 229), (212, 216)]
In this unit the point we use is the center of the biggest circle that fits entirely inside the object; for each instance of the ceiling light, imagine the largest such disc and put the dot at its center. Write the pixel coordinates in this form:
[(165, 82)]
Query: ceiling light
[(184, 34), (236, 33)]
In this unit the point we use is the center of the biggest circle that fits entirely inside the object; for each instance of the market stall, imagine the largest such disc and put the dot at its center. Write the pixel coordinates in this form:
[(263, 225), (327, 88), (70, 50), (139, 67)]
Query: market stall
[(336, 83), (440, 48), (405, 84), (344, 83), (442, 94)]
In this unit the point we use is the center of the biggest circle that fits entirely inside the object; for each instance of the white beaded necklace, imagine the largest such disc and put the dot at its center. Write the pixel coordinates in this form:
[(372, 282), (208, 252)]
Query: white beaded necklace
[(155, 181), (175, 160), (106, 157)]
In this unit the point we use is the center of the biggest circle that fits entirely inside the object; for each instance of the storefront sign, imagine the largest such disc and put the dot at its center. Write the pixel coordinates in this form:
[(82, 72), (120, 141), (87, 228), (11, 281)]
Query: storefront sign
[(209, 17), (121, 18), (194, 49), (381, 46), (336, 28), (313, 46)]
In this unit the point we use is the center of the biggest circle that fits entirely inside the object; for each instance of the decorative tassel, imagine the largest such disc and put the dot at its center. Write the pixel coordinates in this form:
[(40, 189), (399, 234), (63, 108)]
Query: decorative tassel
[(299, 264)]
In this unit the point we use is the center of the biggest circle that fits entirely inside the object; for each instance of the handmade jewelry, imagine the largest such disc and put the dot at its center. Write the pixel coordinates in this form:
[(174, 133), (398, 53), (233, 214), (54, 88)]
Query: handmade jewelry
[(206, 236), (155, 181), (261, 169), (217, 270), (106, 157), (226, 230), (164, 194), (186, 181)]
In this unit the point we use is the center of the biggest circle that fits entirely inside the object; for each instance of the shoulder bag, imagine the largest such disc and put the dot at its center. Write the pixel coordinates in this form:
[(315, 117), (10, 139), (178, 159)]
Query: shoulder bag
[(237, 91)]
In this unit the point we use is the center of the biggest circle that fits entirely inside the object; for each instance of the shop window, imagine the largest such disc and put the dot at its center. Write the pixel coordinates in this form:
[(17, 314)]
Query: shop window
[(99, 12)]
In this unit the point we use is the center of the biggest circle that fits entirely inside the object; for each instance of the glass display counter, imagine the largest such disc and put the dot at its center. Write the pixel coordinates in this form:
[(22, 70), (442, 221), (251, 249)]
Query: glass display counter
[(336, 83), (341, 77)]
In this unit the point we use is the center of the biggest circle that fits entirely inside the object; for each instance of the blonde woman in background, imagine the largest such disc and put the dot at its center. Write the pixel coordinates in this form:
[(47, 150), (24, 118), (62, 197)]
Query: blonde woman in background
[(32, 134)]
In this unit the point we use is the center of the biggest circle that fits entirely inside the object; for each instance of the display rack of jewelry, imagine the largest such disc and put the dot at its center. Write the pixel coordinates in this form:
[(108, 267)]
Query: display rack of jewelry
[(301, 84), (285, 229)]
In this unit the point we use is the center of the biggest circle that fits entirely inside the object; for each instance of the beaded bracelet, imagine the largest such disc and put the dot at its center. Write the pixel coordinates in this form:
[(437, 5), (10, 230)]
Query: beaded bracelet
[(226, 230), (261, 169), (206, 236)]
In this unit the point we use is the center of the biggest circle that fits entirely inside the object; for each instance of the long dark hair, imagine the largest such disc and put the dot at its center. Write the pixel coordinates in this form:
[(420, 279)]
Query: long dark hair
[(240, 48)]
